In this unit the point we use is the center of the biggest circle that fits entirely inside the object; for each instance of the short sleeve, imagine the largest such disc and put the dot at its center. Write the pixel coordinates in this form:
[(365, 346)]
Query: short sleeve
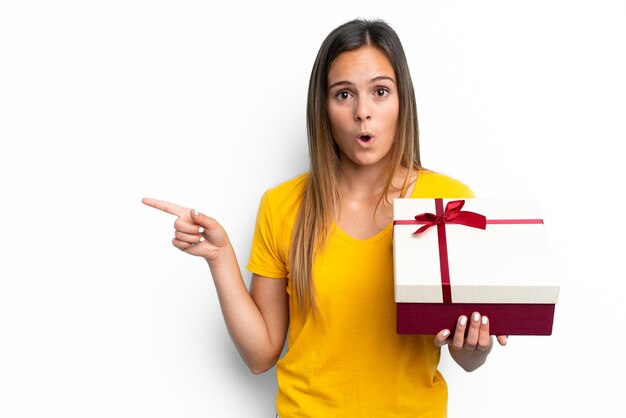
[(437, 185), (265, 256)]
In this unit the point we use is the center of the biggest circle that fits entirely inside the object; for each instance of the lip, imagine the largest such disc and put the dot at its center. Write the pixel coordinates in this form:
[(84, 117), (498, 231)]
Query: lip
[(359, 137)]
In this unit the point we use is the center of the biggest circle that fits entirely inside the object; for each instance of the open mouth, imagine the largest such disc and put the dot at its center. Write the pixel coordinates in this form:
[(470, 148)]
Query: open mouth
[(365, 138)]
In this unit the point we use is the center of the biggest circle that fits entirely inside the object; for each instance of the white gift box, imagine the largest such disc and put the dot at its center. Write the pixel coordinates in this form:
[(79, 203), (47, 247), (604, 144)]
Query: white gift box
[(504, 271)]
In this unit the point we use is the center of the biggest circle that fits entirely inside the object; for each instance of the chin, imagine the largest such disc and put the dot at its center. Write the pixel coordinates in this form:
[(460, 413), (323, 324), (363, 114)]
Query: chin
[(368, 163)]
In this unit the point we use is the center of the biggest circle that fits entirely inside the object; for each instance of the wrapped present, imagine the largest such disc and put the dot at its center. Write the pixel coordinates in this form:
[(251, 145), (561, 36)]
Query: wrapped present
[(454, 257)]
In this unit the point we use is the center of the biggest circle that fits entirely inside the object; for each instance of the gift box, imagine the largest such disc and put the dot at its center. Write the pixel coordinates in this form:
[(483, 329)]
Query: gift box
[(454, 257)]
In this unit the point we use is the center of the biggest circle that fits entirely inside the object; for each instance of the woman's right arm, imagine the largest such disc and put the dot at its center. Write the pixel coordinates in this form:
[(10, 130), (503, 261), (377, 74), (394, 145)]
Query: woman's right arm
[(257, 320)]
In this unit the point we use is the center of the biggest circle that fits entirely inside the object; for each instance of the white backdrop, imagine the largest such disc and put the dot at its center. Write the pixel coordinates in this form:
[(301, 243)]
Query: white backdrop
[(105, 102)]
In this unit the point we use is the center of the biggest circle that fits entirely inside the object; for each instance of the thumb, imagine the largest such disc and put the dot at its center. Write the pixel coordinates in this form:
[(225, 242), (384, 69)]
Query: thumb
[(209, 224), (441, 338)]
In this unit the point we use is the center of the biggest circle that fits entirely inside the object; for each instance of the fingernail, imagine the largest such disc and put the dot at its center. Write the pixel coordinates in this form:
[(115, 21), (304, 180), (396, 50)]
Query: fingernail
[(200, 230), (195, 212), (445, 333), (463, 320), (484, 320), (476, 316), (201, 239)]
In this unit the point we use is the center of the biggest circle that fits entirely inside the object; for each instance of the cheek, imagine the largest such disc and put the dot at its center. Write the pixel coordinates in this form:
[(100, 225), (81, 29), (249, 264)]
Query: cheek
[(392, 115), (339, 118)]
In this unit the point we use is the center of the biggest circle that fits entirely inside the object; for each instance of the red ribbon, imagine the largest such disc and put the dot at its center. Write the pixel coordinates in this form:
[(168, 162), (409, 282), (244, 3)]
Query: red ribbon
[(454, 214)]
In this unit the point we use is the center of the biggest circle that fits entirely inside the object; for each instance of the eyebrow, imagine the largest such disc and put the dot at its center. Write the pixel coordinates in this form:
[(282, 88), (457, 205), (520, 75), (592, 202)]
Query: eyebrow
[(373, 80)]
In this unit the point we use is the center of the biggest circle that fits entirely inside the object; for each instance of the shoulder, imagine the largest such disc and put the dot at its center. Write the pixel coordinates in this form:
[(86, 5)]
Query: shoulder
[(288, 190), (285, 196), (288, 187), (432, 184), (269, 255)]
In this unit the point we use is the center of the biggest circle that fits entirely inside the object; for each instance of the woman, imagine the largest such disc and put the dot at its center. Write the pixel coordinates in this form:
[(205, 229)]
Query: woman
[(321, 256)]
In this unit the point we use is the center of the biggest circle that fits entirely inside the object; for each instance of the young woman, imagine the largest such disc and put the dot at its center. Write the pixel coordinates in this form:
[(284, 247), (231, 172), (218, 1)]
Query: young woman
[(321, 257)]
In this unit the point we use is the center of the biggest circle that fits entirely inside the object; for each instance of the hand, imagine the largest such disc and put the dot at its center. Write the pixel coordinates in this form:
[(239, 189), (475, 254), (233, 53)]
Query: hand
[(470, 351), (477, 339), (196, 234)]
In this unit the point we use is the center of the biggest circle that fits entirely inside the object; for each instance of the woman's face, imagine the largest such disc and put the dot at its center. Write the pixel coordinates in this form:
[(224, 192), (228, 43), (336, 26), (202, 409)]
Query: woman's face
[(363, 106)]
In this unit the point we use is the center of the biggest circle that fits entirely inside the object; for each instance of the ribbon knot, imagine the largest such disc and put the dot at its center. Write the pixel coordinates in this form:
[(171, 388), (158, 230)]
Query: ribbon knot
[(452, 214)]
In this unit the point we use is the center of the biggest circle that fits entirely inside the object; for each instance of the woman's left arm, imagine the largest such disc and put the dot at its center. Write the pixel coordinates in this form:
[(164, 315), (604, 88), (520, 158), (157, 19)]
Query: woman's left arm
[(469, 349)]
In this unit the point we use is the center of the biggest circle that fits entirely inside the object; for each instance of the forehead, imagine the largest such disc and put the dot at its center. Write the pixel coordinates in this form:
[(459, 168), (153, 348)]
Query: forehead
[(361, 64)]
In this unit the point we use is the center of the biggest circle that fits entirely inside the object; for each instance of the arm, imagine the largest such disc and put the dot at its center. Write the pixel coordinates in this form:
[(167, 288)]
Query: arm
[(256, 320), (471, 351)]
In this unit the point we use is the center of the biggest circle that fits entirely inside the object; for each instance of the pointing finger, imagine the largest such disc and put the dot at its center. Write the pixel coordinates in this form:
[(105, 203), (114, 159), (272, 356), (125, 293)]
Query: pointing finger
[(167, 207)]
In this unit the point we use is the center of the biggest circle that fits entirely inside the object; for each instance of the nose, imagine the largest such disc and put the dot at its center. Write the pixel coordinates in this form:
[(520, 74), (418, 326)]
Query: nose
[(362, 110)]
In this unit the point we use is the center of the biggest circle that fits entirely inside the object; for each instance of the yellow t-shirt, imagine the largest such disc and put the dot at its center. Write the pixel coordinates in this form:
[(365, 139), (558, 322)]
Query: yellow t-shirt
[(349, 361)]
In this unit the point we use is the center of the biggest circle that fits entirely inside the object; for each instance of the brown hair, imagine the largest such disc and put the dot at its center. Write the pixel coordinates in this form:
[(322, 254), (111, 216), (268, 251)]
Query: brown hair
[(320, 199)]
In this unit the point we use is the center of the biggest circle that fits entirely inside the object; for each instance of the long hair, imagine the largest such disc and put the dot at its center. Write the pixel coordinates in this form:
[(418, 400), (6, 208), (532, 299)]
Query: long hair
[(320, 199)]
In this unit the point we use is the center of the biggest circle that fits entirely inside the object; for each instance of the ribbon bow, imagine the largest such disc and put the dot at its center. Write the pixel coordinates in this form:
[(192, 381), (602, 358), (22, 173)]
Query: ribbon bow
[(452, 214)]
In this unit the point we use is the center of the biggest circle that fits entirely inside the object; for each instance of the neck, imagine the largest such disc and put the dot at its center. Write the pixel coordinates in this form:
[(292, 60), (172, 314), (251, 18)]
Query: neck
[(362, 181), (369, 182)]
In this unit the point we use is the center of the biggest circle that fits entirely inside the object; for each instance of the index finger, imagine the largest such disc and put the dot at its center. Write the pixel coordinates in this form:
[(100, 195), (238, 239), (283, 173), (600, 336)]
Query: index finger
[(167, 207)]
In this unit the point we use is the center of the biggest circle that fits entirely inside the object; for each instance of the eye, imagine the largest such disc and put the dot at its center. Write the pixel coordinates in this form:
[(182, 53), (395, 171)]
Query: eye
[(343, 95), (381, 92)]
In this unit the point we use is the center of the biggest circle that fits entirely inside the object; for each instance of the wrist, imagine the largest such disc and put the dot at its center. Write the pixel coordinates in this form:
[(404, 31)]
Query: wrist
[(221, 257)]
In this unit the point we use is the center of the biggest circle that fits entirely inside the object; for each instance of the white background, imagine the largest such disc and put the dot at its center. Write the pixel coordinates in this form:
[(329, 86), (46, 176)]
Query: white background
[(105, 102)]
